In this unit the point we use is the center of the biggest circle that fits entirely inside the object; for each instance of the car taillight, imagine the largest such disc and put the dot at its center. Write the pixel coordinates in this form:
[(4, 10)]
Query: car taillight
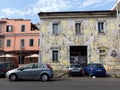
[(4, 70), (92, 68), (49, 66)]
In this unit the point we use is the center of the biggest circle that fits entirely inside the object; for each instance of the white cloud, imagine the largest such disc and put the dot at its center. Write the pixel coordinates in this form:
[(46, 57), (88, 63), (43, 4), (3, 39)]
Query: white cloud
[(52, 5), (55, 5), (65, 5), (7, 11), (10, 11), (95, 3)]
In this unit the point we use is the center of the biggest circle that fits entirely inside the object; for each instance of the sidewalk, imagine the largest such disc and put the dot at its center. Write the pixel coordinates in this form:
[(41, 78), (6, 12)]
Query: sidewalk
[(59, 74), (114, 73), (110, 73)]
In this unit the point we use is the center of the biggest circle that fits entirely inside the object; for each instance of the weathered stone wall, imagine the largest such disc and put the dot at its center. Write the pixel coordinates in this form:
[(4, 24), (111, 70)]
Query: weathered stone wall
[(90, 37)]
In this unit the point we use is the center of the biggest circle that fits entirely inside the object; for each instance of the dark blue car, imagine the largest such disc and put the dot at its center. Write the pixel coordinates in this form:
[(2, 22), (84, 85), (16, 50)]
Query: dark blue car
[(95, 69)]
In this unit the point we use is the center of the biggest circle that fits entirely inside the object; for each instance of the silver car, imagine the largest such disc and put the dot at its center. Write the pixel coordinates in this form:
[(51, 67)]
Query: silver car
[(43, 72), (75, 69)]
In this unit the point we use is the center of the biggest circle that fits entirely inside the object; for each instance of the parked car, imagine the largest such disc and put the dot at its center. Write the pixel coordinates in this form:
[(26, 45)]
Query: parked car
[(95, 69), (75, 69), (40, 71), (4, 67)]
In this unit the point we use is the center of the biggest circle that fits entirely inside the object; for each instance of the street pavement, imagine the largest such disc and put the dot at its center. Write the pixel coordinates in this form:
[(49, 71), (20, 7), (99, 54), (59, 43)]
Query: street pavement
[(63, 82), (68, 83)]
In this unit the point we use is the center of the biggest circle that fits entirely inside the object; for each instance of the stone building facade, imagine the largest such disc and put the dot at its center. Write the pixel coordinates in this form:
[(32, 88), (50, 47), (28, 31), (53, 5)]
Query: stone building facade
[(79, 37)]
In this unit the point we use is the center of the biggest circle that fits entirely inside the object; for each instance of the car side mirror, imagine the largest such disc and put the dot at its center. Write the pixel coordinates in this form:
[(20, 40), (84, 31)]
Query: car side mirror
[(21, 69)]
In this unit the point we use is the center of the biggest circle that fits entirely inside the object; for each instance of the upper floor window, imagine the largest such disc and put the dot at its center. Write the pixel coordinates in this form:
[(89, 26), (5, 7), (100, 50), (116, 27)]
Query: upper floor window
[(22, 28), (55, 29), (101, 27), (0, 28), (31, 43), (9, 28), (8, 43), (55, 55), (22, 42), (38, 42), (78, 28), (1, 43)]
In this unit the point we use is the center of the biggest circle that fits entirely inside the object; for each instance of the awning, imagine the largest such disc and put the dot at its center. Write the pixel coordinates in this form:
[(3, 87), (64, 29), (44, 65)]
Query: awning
[(32, 56), (7, 55)]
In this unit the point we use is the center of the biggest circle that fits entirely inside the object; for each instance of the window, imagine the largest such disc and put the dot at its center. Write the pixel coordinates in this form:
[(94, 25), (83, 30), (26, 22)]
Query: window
[(31, 42), (0, 43), (9, 28), (8, 43), (77, 28), (41, 66), (38, 42), (22, 28), (102, 52), (55, 55), (55, 28), (101, 27), (0, 28), (34, 66), (22, 43)]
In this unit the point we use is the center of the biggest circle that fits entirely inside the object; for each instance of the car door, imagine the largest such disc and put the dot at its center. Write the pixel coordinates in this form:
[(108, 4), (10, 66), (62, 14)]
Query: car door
[(25, 72), (35, 72)]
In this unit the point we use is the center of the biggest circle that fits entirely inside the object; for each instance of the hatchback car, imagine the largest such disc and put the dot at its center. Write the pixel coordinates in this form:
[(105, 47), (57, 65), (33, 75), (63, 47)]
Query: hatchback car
[(4, 67), (31, 71), (75, 69), (95, 69)]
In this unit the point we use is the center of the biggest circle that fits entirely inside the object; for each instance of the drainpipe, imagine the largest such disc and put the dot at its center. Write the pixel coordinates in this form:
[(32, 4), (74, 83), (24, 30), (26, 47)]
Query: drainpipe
[(40, 51), (117, 13)]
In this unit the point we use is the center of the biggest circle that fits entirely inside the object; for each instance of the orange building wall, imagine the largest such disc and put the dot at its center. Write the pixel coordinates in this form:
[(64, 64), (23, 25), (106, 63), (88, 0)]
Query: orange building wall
[(16, 35)]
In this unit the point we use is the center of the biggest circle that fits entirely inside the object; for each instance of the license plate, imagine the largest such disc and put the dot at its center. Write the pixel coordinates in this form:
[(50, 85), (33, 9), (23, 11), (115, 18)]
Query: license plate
[(75, 70), (99, 70)]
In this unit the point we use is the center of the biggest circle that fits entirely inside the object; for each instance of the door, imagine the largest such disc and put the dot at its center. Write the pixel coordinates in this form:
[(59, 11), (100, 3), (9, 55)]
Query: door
[(25, 71), (78, 54)]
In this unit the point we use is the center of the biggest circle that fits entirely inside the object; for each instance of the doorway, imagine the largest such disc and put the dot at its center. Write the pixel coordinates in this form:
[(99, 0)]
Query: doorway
[(78, 54)]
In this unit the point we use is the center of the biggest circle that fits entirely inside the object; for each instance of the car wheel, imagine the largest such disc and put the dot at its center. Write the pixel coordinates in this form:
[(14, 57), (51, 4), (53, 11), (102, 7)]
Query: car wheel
[(13, 77), (44, 77)]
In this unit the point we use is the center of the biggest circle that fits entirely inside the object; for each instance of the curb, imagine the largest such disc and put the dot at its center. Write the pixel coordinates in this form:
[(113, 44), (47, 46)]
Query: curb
[(115, 76), (61, 75)]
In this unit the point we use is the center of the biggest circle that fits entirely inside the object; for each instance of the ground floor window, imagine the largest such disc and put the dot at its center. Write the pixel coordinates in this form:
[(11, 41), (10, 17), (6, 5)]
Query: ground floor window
[(55, 56)]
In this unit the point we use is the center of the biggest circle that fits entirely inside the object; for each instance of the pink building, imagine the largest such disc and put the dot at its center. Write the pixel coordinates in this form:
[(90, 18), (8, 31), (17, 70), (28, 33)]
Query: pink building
[(20, 38)]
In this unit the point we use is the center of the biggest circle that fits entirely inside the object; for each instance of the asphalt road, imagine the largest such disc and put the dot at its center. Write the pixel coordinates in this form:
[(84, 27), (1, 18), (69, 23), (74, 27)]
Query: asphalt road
[(72, 83)]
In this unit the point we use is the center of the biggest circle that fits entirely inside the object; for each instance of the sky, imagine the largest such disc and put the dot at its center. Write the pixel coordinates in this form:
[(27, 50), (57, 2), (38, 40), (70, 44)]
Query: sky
[(29, 9)]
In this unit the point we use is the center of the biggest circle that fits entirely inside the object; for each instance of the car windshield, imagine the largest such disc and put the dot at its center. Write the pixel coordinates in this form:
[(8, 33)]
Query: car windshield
[(97, 66), (75, 66)]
